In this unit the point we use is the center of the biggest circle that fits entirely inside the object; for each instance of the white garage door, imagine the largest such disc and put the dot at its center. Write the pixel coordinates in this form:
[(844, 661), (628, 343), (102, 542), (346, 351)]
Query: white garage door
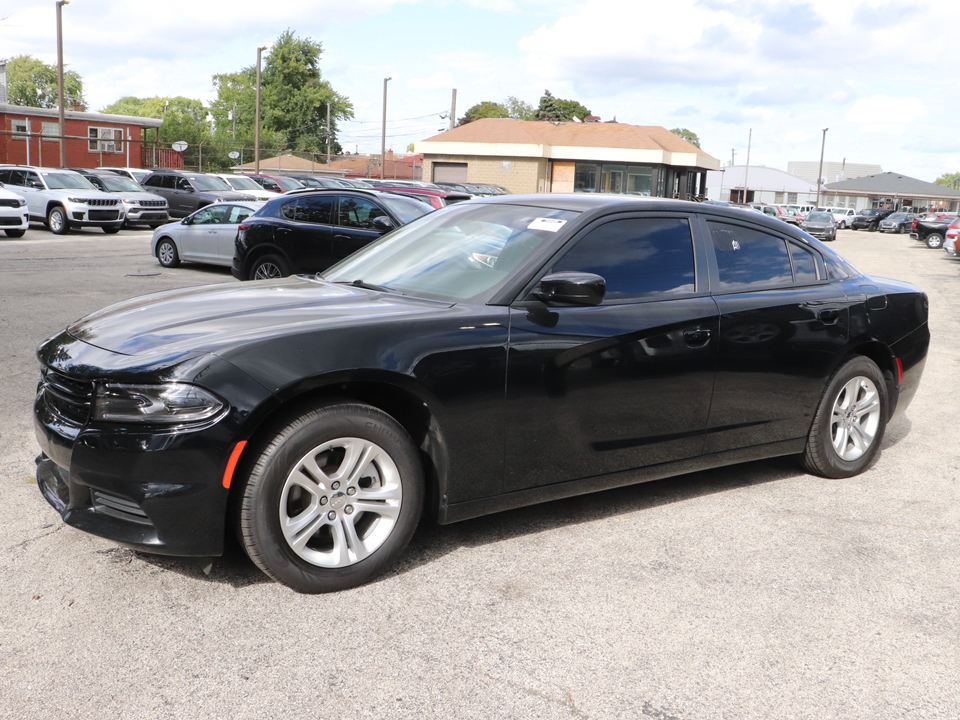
[(450, 172)]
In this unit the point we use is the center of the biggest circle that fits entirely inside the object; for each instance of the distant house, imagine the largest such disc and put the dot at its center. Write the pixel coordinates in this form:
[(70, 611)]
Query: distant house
[(535, 156), (31, 136), (396, 167)]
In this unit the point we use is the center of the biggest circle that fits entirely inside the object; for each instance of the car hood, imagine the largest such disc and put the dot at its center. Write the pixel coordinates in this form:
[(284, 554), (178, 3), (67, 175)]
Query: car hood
[(816, 225), (182, 323)]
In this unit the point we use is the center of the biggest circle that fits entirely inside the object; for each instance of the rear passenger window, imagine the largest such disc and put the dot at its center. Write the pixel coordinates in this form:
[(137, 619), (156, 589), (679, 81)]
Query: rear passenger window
[(804, 264), (315, 209), (289, 210), (749, 259), (637, 257)]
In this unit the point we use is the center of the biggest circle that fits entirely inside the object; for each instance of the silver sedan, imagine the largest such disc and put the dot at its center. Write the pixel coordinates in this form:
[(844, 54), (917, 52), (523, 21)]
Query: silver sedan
[(206, 236)]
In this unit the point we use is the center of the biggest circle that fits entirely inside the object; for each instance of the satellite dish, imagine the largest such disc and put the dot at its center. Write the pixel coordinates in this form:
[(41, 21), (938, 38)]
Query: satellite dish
[(180, 146), (233, 155)]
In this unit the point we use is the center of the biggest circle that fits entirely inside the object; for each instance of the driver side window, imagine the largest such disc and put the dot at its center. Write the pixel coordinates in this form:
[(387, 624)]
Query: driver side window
[(184, 184), (358, 212)]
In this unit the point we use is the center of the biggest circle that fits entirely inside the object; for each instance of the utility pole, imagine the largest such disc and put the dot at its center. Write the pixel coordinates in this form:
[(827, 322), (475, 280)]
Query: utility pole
[(733, 156), (823, 144), (383, 136), (453, 109), (328, 133), (256, 130), (63, 133), (746, 171)]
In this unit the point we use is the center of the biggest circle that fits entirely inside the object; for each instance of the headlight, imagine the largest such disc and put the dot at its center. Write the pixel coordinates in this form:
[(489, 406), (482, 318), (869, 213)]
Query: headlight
[(126, 201), (76, 200), (22, 202), (167, 403)]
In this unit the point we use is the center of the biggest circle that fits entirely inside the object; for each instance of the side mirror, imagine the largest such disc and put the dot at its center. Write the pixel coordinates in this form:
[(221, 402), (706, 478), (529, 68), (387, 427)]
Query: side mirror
[(383, 223), (572, 288), (186, 221)]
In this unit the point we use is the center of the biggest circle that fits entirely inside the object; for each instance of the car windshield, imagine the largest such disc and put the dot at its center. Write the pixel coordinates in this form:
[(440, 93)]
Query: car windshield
[(819, 217), (463, 252), (209, 182), (65, 181), (119, 184), (288, 184), (406, 209), (898, 217), (239, 182)]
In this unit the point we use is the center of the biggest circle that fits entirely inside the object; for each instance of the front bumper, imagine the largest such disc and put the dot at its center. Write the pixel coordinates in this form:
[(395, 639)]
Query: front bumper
[(153, 488), (14, 218), (85, 216), (136, 214)]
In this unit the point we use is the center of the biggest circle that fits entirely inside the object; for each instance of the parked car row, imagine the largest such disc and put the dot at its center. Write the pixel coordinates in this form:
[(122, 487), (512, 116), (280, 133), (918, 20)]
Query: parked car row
[(301, 231), (932, 229)]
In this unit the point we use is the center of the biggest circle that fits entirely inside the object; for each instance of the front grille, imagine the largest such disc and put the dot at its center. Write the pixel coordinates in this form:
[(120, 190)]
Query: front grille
[(152, 203), (104, 215), (101, 202), (118, 507), (11, 221), (68, 398), (9, 202)]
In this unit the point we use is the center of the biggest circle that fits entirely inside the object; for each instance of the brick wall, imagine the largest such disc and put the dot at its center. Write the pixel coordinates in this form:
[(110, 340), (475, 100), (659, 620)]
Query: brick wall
[(518, 175), (13, 148)]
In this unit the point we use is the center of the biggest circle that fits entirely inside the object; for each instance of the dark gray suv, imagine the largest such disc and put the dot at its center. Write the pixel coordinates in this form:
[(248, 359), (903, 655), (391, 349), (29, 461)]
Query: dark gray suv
[(187, 192)]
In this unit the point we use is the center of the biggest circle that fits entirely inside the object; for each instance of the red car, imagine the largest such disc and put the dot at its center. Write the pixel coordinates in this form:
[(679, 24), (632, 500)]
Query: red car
[(435, 198)]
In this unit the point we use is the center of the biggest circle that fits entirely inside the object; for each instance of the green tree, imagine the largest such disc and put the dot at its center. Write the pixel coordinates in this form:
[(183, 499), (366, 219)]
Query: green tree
[(485, 109), (688, 135), (556, 110), (294, 99), (33, 83), (519, 109), (949, 180), (183, 119)]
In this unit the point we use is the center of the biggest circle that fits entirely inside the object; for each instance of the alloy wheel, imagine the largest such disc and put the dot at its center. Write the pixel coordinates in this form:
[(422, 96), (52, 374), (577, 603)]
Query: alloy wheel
[(856, 418)]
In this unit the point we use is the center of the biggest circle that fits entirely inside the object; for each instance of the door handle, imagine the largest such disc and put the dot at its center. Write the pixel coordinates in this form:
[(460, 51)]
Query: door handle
[(697, 338), (829, 317)]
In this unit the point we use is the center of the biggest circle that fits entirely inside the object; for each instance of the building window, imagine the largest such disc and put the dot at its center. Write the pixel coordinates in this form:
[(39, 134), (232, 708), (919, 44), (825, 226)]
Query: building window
[(51, 131), (585, 178), (19, 129), (791, 198), (639, 180), (778, 198), (105, 140)]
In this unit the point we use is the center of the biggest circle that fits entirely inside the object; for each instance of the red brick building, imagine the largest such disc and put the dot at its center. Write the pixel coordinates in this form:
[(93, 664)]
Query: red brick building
[(30, 136)]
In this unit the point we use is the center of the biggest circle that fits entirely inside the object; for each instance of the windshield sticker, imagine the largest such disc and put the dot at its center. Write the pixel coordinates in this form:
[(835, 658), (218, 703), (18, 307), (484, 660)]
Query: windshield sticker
[(548, 224)]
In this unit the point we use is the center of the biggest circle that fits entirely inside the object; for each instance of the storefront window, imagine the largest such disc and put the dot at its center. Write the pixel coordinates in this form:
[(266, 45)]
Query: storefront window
[(639, 180), (585, 178), (612, 179)]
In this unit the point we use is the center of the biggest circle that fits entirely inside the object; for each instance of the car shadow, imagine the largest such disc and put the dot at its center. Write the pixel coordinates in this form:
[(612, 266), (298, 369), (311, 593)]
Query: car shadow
[(431, 542)]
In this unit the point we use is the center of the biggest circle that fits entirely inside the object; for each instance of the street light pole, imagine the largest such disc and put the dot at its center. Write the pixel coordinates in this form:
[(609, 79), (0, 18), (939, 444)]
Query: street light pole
[(823, 144), (383, 136), (63, 134), (256, 127)]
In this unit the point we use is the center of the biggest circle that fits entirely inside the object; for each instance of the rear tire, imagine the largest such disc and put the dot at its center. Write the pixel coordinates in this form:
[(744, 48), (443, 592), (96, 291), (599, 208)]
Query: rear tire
[(934, 241), (269, 267), (57, 221), (332, 500), (848, 427)]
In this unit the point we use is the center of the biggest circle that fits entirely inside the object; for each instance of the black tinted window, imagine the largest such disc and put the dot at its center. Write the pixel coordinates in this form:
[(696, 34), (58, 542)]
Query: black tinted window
[(169, 181), (804, 264), (749, 259), (315, 209), (358, 212), (636, 257), (289, 210), (153, 181)]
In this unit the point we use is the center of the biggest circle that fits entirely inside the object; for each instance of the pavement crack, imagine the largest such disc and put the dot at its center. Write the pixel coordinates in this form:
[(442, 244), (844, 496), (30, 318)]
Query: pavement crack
[(34, 539)]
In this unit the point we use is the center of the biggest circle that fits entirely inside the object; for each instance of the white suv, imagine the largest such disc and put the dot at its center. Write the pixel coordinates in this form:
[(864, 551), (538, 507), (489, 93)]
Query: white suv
[(14, 218), (843, 216), (63, 199), (248, 186)]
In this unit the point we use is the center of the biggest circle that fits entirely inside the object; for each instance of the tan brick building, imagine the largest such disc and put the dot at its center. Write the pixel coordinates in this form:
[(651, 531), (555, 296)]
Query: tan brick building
[(534, 157)]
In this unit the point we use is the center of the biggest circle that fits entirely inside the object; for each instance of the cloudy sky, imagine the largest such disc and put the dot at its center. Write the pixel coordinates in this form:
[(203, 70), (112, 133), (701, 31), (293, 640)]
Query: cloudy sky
[(881, 75)]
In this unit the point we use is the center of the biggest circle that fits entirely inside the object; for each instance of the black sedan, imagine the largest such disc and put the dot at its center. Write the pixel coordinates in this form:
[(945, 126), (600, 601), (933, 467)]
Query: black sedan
[(309, 230), (490, 355)]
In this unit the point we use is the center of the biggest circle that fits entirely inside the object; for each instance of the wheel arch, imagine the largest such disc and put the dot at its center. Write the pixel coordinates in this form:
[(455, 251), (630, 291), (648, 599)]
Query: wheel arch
[(255, 253), (394, 395), (884, 359)]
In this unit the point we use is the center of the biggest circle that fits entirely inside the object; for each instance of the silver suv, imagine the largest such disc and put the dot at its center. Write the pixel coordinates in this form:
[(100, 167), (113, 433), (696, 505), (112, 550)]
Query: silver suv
[(63, 199)]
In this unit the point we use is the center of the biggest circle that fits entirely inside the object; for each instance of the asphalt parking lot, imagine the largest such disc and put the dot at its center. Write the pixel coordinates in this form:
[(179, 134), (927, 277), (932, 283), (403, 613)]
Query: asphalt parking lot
[(755, 591)]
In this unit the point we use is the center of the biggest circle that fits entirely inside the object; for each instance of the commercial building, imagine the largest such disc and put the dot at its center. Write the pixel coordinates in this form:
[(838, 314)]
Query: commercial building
[(891, 190), (543, 157), (739, 183), (832, 171)]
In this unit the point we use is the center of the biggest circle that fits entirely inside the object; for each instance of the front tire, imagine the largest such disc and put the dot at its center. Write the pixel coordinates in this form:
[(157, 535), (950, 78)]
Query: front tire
[(332, 499), (57, 221), (112, 229), (850, 421), (167, 254), (934, 241), (15, 233), (269, 267)]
